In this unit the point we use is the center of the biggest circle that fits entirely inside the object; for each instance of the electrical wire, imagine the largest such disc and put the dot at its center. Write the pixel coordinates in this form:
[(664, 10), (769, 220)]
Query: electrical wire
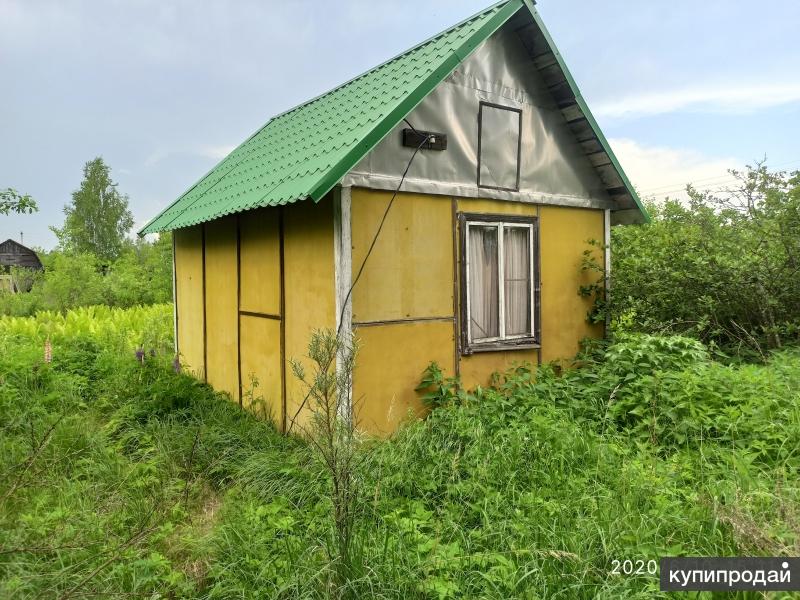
[(380, 227), (424, 141), (713, 181)]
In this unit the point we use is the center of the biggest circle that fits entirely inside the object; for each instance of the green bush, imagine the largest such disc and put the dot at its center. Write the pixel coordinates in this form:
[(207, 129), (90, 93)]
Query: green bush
[(722, 268), (141, 275)]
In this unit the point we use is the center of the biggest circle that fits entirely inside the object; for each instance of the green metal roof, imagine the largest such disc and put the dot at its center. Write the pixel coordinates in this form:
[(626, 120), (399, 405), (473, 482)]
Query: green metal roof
[(305, 151)]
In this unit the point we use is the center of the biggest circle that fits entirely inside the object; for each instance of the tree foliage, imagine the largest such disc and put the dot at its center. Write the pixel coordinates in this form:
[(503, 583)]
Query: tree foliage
[(97, 219), (11, 201), (141, 275), (725, 267)]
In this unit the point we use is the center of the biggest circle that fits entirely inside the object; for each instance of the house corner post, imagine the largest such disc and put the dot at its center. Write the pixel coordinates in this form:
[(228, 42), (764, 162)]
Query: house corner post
[(343, 271), (174, 297), (607, 264)]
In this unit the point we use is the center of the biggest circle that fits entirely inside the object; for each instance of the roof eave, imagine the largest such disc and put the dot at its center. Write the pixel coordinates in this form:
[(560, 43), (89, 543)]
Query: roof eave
[(601, 138)]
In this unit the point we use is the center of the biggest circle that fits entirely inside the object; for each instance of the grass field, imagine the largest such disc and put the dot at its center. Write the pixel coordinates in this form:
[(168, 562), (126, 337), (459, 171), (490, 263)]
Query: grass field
[(121, 478)]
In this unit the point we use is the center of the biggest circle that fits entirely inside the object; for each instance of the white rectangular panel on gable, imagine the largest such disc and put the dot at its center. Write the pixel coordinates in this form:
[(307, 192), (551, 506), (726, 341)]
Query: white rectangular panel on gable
[(553, 166)]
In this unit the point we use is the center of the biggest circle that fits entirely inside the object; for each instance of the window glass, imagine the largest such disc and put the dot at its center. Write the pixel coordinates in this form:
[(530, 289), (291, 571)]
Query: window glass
[(483, 282), (517, 275), (498, 158)]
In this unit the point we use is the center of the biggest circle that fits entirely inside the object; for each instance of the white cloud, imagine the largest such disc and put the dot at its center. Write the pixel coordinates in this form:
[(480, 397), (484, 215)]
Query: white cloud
[(215, 153), (737, 98), (663, 171)]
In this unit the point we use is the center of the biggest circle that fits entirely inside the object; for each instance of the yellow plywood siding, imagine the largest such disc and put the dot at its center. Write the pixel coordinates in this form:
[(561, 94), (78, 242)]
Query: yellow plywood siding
[(405, 297), (221, 306), (260, 261), (390, 365), (409, 273), (477, 369), (309, 287), (189, 292), (261, 359), (564, 234), (260, 292), (497, 207)]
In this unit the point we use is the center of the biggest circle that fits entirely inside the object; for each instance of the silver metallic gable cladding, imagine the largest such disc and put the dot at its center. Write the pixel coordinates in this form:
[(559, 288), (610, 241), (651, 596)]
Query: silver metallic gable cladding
[(554, 168)]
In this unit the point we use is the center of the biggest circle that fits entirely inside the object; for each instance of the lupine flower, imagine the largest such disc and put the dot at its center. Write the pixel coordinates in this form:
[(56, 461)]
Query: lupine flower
[(48, 351), (176, 364), (140, 355)]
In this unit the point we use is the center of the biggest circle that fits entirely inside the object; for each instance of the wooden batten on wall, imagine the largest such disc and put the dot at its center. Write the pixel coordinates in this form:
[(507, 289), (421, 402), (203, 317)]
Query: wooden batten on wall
[(260, 312)]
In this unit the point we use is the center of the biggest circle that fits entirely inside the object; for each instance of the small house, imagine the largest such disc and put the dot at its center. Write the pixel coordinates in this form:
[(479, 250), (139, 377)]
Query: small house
[(14, 254), (458, 183)]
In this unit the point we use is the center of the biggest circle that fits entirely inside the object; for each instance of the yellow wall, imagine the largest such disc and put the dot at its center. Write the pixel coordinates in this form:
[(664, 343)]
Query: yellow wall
[(409, 273), (260, 281), (261, 358), (477, 369), (564, 233), (189, 290), (309, 288), (409, 276), (402, 306), (221, 306), (260, 261), (389, 366)]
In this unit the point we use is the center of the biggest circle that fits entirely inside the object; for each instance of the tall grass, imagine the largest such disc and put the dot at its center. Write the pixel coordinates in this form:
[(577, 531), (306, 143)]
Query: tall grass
[(121, 477)]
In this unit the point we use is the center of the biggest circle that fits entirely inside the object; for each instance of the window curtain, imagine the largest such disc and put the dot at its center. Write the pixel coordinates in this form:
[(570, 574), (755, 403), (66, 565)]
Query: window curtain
[(517, 271), (483, 282)]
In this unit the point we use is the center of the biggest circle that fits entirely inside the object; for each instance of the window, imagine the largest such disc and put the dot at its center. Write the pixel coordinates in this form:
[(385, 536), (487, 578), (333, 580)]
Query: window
[(499, 143), (499, 282)]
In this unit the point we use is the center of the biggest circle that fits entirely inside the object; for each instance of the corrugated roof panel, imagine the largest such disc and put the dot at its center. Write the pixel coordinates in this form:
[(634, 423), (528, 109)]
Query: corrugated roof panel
[(305, 151)]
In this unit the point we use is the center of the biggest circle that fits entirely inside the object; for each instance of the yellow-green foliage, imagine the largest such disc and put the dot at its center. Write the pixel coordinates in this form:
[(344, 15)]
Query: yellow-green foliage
[(147, 327)]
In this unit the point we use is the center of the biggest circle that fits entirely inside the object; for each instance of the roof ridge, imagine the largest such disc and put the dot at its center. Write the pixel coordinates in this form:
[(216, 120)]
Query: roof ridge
[(390, 60)]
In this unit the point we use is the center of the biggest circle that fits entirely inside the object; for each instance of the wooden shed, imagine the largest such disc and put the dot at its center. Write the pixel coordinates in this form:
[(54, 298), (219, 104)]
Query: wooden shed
[(473, 164), (14, 254)]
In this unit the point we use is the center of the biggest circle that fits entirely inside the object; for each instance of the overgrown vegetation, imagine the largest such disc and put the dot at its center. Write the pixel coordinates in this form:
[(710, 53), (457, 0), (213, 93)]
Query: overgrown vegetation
[(724, 268), (141, 275), (95, 262), (122, 477)]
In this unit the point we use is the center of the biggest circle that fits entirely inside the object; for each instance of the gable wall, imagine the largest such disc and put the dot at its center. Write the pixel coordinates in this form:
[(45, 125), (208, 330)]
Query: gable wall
[(553, 167)]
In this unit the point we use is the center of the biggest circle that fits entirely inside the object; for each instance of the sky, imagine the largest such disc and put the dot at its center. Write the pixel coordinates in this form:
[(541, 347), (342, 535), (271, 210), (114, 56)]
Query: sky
[(163, 89)]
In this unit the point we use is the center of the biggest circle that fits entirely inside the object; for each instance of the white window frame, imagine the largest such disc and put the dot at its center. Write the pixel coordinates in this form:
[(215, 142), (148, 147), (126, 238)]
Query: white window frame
[(501, 226)]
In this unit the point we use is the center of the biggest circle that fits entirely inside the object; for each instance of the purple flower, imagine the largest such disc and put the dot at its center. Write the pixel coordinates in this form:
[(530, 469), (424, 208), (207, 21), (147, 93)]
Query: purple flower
[(176, 364), (140, 355)]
